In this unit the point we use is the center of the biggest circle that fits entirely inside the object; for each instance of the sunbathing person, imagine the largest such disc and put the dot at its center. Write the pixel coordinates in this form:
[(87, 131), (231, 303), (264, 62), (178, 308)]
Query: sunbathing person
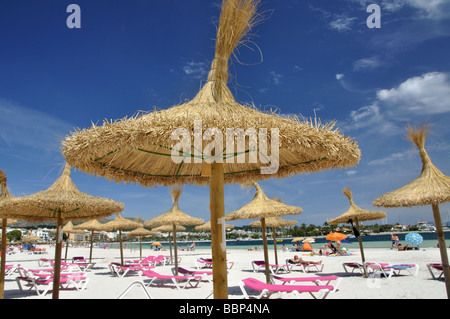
[(297, 260)]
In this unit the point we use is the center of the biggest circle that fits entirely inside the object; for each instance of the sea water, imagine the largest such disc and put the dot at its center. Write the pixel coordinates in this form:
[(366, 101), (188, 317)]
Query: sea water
[(373, 241)]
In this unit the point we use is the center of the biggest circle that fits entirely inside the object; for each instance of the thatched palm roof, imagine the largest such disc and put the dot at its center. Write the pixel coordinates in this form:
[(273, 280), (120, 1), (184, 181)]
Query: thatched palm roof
[(62, 197), (262, 207), (355, 212), (432, 187), (174, 216), (138, 149)]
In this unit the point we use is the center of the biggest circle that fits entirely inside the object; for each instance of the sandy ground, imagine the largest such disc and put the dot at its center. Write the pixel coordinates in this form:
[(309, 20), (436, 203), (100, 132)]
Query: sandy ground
[(103, 285)]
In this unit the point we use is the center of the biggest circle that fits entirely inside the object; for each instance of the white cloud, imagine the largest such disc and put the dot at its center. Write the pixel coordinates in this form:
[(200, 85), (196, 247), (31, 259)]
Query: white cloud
[(32, 131), (426, 94), (339, 76), (351, 172), (390, 158), (197, 70), (371, 119), (367, 63), (341, 23), (275, 77)]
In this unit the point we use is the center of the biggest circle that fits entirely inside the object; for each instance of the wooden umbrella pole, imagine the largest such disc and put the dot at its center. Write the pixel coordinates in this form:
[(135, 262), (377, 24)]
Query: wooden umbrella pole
[(170, 247), (140, 247), (121, 249), (92, 244), (266, 252), (175, 248), (3, 258), (218, 247), (67, 248), (57, 270), (363, 259), (442, 247), (274, 235)]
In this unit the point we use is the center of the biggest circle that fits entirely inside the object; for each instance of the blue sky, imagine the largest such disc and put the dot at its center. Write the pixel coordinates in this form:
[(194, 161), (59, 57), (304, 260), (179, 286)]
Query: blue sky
[(308, 57)]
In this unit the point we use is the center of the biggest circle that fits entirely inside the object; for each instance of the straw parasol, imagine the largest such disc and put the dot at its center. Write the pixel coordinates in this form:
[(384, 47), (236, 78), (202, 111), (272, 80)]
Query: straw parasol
[(262, 207), (356, 214), (174, 216), (120, 223), (207, 226), (4, 194), (432, 187), (61, 201), (274, 222), (142, 149), (168, 229), (140, 232), (31, 239), (92, 225)]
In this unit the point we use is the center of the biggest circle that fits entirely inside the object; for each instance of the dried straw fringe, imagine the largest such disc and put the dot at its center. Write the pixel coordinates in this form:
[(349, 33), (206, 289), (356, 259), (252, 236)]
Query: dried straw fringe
[(137, 150), (432, 187)]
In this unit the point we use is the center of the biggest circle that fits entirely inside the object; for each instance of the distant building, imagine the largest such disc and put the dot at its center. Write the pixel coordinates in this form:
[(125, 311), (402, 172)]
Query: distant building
[(424, 226)]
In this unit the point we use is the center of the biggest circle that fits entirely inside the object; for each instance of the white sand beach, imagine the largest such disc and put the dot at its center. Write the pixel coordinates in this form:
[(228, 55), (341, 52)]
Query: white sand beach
[(103, 285)]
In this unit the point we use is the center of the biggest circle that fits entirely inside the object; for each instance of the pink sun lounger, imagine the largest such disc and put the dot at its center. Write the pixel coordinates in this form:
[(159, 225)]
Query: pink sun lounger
[(268, 289), (274, 269), (318, 280), (78, 282), (432, 267), (154, 276), (389, 270)]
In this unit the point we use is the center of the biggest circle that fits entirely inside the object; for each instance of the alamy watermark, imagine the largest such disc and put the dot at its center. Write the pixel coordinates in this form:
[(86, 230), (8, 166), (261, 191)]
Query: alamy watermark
[(373, 20), (220, 152)]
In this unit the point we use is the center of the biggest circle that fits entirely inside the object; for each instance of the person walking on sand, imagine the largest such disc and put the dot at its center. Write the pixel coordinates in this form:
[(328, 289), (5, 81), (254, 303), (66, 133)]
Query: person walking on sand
[(393, 241)]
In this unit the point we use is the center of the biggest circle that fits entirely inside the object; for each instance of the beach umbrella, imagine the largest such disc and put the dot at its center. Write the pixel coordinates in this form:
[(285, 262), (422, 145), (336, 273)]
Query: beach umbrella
[(335, 236), (308, 240), (119, 223), (297, 239), (432, 187), (356, 215), (61, 201), (168, 229), (4, 194), (174, 216), (261, 207), (92, 225), (155, 148), (414, 239), (207, 226), (140, 232), (69, 229), (31, 239), (274, 222)]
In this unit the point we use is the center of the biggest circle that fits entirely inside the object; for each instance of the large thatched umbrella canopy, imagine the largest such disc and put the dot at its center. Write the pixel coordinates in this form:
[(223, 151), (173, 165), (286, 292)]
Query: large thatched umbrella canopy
[(140, 232), (173, 146), (120, 223), (274, 222), (62, 201), (174, 216), (92, 225), (262, 207), (432, 187), (356, 214)]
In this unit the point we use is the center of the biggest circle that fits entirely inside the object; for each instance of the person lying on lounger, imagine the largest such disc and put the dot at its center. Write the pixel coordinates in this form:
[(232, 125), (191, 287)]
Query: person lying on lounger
[(297, 260)]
